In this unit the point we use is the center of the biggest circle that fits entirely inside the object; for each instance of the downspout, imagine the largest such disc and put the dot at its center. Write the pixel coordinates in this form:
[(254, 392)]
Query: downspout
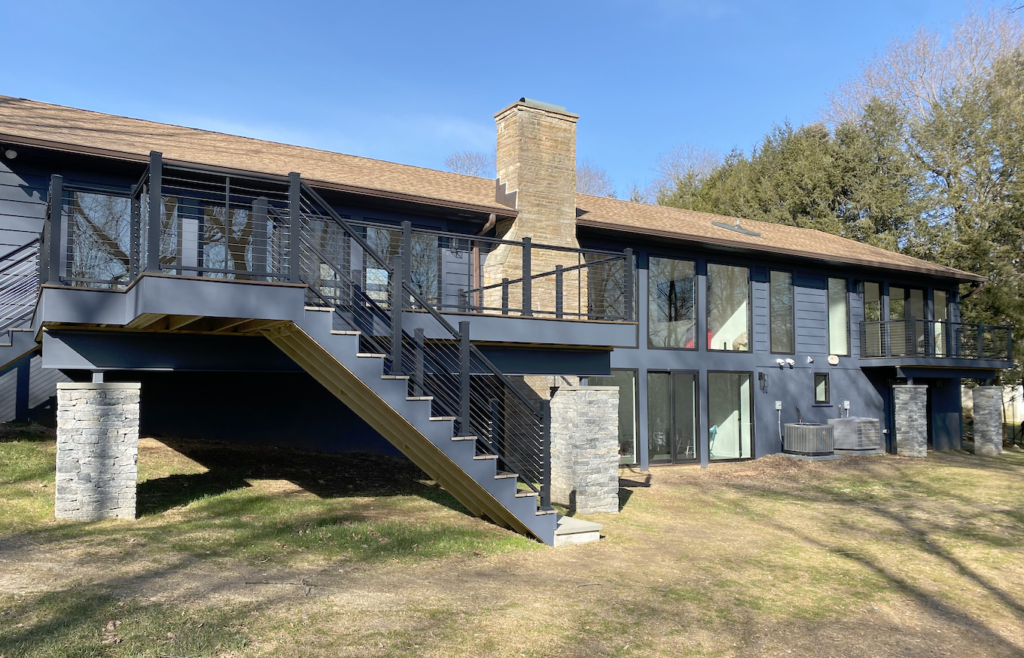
[(491, 221)]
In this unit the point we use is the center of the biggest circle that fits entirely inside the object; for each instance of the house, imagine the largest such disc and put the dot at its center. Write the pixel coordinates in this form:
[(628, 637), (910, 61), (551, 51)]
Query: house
[(517, 340)]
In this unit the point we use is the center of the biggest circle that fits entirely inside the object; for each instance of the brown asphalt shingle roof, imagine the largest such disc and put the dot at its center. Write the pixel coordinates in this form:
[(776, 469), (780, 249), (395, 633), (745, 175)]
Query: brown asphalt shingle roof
[(688, 225), (65, 128)]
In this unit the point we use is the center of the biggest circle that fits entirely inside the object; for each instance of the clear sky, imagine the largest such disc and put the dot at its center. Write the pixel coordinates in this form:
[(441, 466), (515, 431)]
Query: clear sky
[(412, 82)]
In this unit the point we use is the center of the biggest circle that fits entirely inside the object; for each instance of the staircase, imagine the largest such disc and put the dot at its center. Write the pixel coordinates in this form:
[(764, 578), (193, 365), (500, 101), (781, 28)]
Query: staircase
[(429, 391), (19, 288)]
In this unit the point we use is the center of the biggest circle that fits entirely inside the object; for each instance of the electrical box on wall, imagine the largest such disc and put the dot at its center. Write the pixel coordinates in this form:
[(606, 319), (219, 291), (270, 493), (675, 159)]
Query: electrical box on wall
[(778, 405), (846, 404)]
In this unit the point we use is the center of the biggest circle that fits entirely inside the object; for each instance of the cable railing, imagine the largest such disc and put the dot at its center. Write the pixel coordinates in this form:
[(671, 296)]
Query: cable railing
[(19, 285), (935, 338)]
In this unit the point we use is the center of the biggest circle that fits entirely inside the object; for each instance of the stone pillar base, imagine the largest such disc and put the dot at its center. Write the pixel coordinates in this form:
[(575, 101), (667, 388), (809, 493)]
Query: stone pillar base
[(97, 450), (585, 448), (911, 412), (988, 420)]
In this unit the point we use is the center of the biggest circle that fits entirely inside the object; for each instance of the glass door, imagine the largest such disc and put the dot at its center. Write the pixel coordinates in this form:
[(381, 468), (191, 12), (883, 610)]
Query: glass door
[(672, 414), (625, 381), (730, 416), (940, 304), (906, 313)]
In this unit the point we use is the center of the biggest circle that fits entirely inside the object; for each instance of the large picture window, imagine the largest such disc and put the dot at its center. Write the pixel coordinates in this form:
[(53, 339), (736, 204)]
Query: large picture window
[(872, 318), (671, 314), (730, 417), (780, 295), (728, 308), (838, 318)]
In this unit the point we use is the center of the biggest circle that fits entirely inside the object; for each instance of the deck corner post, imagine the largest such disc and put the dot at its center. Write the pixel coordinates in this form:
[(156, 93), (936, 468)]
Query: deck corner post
[(156, 207), (545, 457), (294, 225), (259, 237), (527, 310), (56, 228), (559, 295), (417, 375), (397, 302)]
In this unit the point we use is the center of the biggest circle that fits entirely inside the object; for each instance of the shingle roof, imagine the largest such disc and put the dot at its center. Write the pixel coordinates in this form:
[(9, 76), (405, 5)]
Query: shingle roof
[(34, 122), (65, 128), (688, 225)]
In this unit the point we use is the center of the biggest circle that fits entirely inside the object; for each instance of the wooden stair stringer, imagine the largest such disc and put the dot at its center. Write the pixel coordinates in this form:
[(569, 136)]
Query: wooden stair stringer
[(392, 425)]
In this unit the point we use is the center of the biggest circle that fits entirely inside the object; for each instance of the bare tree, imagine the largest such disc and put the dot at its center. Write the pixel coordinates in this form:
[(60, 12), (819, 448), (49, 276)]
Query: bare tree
[(912, 73), (471, 163), (684, 161), (593, 180)]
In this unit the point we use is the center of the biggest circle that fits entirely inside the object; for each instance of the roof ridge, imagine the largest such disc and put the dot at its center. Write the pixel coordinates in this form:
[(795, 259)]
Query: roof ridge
[(4, 97)]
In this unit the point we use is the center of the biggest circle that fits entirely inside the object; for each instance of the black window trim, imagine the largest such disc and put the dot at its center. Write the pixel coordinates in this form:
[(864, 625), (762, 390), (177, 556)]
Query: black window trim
[(792, 285), (828, 388), (750, 309), (696, 305), (849, 332)]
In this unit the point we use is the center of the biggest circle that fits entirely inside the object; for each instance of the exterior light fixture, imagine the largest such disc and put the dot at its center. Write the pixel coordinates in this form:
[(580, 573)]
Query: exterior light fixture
[(790, 362), (781, 362), (10, 153)]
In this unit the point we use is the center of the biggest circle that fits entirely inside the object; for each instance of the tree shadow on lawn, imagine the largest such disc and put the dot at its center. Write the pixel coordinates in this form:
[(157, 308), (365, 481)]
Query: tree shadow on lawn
[(230, 466)]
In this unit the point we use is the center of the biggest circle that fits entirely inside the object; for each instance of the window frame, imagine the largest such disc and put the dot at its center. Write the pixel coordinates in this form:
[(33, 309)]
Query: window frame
[(828, 328), (636, 412), (792, 285), (672, 372), (750, 310), (696, 304), (828, 389)]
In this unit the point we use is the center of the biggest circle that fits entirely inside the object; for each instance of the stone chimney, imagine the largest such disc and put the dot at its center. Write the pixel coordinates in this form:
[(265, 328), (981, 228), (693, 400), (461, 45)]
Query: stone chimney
[(536, 162)]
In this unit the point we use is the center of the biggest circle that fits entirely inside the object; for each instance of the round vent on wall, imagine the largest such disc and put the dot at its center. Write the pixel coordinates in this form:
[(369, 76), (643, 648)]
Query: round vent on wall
[(833, 360)]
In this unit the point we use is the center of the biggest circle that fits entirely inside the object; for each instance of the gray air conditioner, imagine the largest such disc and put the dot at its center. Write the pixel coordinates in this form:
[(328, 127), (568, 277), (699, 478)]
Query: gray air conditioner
[(808, 440), (858, 436)]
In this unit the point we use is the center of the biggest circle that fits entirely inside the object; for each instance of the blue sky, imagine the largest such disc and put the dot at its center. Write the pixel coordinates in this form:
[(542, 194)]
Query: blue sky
[(412, 82)]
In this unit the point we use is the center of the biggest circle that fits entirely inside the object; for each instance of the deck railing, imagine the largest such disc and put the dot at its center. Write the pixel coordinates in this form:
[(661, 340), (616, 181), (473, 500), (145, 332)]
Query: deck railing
[(935, 338), (201, 222)]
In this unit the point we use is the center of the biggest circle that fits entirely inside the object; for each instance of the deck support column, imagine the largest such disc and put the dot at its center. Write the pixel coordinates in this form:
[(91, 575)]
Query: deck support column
[(585, 448), (910, 409), (988, 420), (97, 450)]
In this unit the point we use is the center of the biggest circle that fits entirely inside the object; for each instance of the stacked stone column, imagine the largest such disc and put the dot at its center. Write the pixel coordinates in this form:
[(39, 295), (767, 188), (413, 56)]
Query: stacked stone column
[(585, 448), (988, 420), (911, 415), (97, 450)]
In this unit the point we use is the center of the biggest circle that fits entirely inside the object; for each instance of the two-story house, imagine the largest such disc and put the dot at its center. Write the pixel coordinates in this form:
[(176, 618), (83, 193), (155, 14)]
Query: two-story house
[(247, 290)]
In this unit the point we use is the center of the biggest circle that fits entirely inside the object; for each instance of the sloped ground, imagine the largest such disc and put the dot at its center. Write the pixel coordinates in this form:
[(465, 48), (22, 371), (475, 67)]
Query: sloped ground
[(245, 552)]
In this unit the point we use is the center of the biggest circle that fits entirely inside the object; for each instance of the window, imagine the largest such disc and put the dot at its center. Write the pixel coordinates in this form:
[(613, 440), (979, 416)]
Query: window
[(728, 308), (729, 415), (940, 302), (838, 318), (671, 313), (906, 315), (625, 380), (605, 281), (781, 316), (821, 394)]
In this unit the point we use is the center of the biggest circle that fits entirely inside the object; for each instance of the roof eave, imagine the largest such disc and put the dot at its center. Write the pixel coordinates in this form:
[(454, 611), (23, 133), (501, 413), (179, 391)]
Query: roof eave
[(946, 273), (502, 212)]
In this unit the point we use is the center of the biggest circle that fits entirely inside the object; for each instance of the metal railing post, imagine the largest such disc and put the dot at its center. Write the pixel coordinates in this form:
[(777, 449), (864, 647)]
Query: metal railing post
[(259, 238), (627, 311), (56, 220), (464, 379), (407, 259), (527, 310), (417, 377), (545, 455), (397, 297), (504, 296), (134, 249), (559, 276), (1009, 344), (156, 207), (979, 346), (294, 225)]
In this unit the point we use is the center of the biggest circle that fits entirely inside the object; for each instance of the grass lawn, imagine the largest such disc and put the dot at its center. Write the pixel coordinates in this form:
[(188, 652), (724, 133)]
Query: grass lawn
[(270, 552)]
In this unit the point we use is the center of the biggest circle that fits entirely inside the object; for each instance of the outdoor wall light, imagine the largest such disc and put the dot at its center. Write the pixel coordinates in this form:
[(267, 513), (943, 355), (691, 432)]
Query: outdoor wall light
[(790, 362), (10, 153), (781, 362)]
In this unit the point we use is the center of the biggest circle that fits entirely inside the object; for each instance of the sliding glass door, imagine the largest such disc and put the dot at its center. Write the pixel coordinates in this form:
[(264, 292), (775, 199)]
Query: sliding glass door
[(672, 413), (625, 381), (730, 415)]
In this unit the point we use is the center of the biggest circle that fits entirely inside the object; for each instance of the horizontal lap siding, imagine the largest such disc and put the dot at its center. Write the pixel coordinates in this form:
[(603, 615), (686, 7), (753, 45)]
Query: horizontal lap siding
[(42, 382), (760, 316), (811, 320), (22, 208), (856, 317)]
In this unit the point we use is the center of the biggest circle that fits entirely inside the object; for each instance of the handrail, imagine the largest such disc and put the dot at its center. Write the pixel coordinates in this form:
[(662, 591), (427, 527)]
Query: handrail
[(581, 266), (919, 337), (348, 227)]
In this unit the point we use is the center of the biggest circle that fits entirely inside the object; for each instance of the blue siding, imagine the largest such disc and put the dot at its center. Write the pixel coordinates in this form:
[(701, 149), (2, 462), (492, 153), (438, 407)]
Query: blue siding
[(811, 320), (760, 303), (856, 317), (22, 208)]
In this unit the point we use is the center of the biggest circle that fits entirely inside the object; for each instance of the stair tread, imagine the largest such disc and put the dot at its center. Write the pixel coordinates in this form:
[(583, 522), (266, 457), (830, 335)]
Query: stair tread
[(369, 355), (482, 457), (526, 494), (442, 418), (394, 376), (322, 309), (463, 438), (338, 332), (421, 398), (505, 475), (542, 512)]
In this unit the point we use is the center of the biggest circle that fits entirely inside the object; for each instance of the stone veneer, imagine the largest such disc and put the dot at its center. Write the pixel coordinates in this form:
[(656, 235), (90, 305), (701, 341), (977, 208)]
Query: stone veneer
[(911, 412), (988, 420), (97, 450), (585, 448)]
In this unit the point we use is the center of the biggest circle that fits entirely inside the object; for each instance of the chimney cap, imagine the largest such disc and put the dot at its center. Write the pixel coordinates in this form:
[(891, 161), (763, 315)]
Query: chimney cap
[(541, 104)]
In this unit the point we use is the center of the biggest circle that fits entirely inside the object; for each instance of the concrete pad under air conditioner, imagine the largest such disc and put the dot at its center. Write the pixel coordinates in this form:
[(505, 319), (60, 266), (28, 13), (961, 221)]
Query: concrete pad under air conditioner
[(570, 531), (813, 458)]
